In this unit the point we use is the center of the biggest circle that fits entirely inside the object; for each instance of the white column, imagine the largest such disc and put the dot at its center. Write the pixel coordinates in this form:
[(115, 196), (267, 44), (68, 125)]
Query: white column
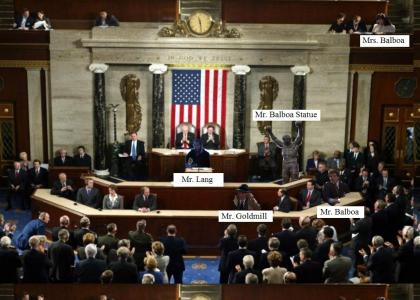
[(363, 106), (35, 113)]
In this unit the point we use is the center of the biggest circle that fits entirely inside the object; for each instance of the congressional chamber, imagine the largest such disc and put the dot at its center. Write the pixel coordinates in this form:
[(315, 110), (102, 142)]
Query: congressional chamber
[(209, 149)]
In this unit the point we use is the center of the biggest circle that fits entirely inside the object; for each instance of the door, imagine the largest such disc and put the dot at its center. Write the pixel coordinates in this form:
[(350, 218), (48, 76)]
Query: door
[(401, 140)]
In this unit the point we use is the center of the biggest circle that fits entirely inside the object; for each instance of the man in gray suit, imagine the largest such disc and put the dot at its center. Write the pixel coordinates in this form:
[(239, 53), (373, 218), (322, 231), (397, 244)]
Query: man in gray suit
[(113, 200), (337, 268), (335, 162), (267, 156), (89, 195), (145, 201)]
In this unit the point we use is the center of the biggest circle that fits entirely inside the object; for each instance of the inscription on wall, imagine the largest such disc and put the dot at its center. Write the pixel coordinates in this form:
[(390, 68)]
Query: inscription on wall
[(199, 59)]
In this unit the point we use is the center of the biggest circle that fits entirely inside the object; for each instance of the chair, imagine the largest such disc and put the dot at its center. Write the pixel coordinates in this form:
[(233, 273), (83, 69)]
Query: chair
[(191, 127), (217, 128), (294, 202)]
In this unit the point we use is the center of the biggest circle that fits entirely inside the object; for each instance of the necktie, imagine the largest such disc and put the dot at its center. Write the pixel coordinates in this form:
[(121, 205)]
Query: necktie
[(88, 191), (63, 159), (133, 151), (37, 172), (146, 202), (338, 163), (308, 197), (17, 173), (266, 151), (385, 181), (184, 138)]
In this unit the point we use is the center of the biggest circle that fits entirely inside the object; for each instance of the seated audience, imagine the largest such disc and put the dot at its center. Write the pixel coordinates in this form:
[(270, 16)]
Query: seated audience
[(151, 268), (37, 176), (321, 176), (337, 268), (383, 25), (33, 227), (235, 257), (158, 250), (248, 263), (339, 26), (346, 176), (25, 163), (310, 197), (251, 278), (364, 185), (244, 199), (141, 242), (210, 140), (17, 181), (41, 21), (83, 229), (274, 274), (123, 270), (90, 269), (312, 163), (62, 258), (334, 189), (287, 238), (175, 248), (198, 157), (113, 200), (89, 238), (9, 261), (184, 139), (267, 156), (82, 159), (308, 271), (63, 187), (6, 228), (63, 160), (36, 265), (135, 158), (336, 161), (104, 19), (145, 202), (64, 224), (24, 21), (109, 241), (260, 243), (284, 203), (228, 243), (357, 25), (89, 195)]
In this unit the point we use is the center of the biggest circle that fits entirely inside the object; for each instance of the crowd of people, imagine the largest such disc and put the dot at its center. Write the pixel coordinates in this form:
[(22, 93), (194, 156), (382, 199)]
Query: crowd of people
[(381, 25)]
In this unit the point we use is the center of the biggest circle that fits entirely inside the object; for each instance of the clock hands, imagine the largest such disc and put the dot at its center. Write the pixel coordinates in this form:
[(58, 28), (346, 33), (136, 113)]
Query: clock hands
[(199, 21)]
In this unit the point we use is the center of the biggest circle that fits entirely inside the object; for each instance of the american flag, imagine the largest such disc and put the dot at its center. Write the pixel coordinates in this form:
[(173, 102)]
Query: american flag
[(199, 97)]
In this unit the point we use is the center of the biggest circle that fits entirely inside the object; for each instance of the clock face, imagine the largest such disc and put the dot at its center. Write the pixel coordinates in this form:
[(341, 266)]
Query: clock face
[(200, 22)]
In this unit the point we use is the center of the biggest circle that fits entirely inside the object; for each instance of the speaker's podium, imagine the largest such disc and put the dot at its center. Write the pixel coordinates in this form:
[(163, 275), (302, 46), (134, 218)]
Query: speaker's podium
[(198, 170), (163, 163)]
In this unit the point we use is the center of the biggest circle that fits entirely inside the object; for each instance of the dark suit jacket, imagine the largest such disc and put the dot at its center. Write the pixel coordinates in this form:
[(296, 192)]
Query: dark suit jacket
[(226, 245), (322, 251), (9, 262), (309, 272), (68, 161), (36, 266), (380, 224), (109, 241), (285, 205), (356, 163), (57, 186), (309, 234), (86, 161), (90, 270), (360, 28), (175, 247), (235, 258), (210, 145), (288, 241), (363, 228), (28, 24), (94, 198), (332, 163), (239, 278), (321, 178), (272, 150), (316, 198), (78, 235), (178, 140), (40, 179), (310, 164), (257, 245), (142, 241), (56, 230), (110, 20), (372, 162), (331, 191), (382, 266), (139, 149), (285, 262), (139, 202), (21, 179), (358, 185), (200, 161), (405, 257), (62, 258), (383, 189), (124, 272)]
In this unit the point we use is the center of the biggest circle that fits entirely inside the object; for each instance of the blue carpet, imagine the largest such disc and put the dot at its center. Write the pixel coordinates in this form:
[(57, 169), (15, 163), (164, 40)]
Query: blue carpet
[(201, 271)]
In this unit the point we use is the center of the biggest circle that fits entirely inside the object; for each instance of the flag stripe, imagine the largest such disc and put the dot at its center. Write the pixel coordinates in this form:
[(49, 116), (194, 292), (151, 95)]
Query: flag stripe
[(206, 99), (223, 114)]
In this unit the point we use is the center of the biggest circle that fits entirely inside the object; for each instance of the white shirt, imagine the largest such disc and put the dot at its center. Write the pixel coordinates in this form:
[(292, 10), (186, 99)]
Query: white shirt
[(23, 23), (113, 199)]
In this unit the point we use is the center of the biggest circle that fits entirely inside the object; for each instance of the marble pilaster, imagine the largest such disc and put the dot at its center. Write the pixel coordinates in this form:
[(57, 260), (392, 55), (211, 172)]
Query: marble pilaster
[(158, 105), (239, 111)]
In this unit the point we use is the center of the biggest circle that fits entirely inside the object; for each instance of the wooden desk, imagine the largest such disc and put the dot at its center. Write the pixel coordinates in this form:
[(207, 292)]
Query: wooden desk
[(196, 198), (233, 163), (200, 228)]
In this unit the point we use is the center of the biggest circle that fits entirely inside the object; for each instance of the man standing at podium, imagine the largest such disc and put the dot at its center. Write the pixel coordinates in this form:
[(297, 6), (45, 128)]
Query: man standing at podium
[(198, 157), (135, 157)]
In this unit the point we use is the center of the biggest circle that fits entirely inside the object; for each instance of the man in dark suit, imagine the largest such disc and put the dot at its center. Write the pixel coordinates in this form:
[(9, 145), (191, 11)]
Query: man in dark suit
[(336, 161), (287, 238), (228, 243), (63, 160), (210, 139), (142, 242), (334, 189), (356, 160), (106, 20), (384, 184), (357, 25), (90, 269), (89, 195), (62, 258), (396, 216), (307, 232), (37, 176), (267, 156), (198, 157), (308, 271), (9, 261), (64, 224), (124, 271), (34, 227), (17, 180), (321, 176), (63, 187), (284, 204), (24, 21), (364, 185), (236, 257), (175, 248), (380, 220), (79, 233), (323, 249), (362, 233), (145, 201), (82, 159), (109, 241), (310, 197), (312, 163), (248, 263), (135, 157), (184, 139), (260, 243), (36, 265)]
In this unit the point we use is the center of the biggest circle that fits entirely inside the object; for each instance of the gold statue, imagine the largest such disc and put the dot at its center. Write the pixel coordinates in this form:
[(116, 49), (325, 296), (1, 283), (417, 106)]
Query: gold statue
[(269, 88), (129, 88)]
